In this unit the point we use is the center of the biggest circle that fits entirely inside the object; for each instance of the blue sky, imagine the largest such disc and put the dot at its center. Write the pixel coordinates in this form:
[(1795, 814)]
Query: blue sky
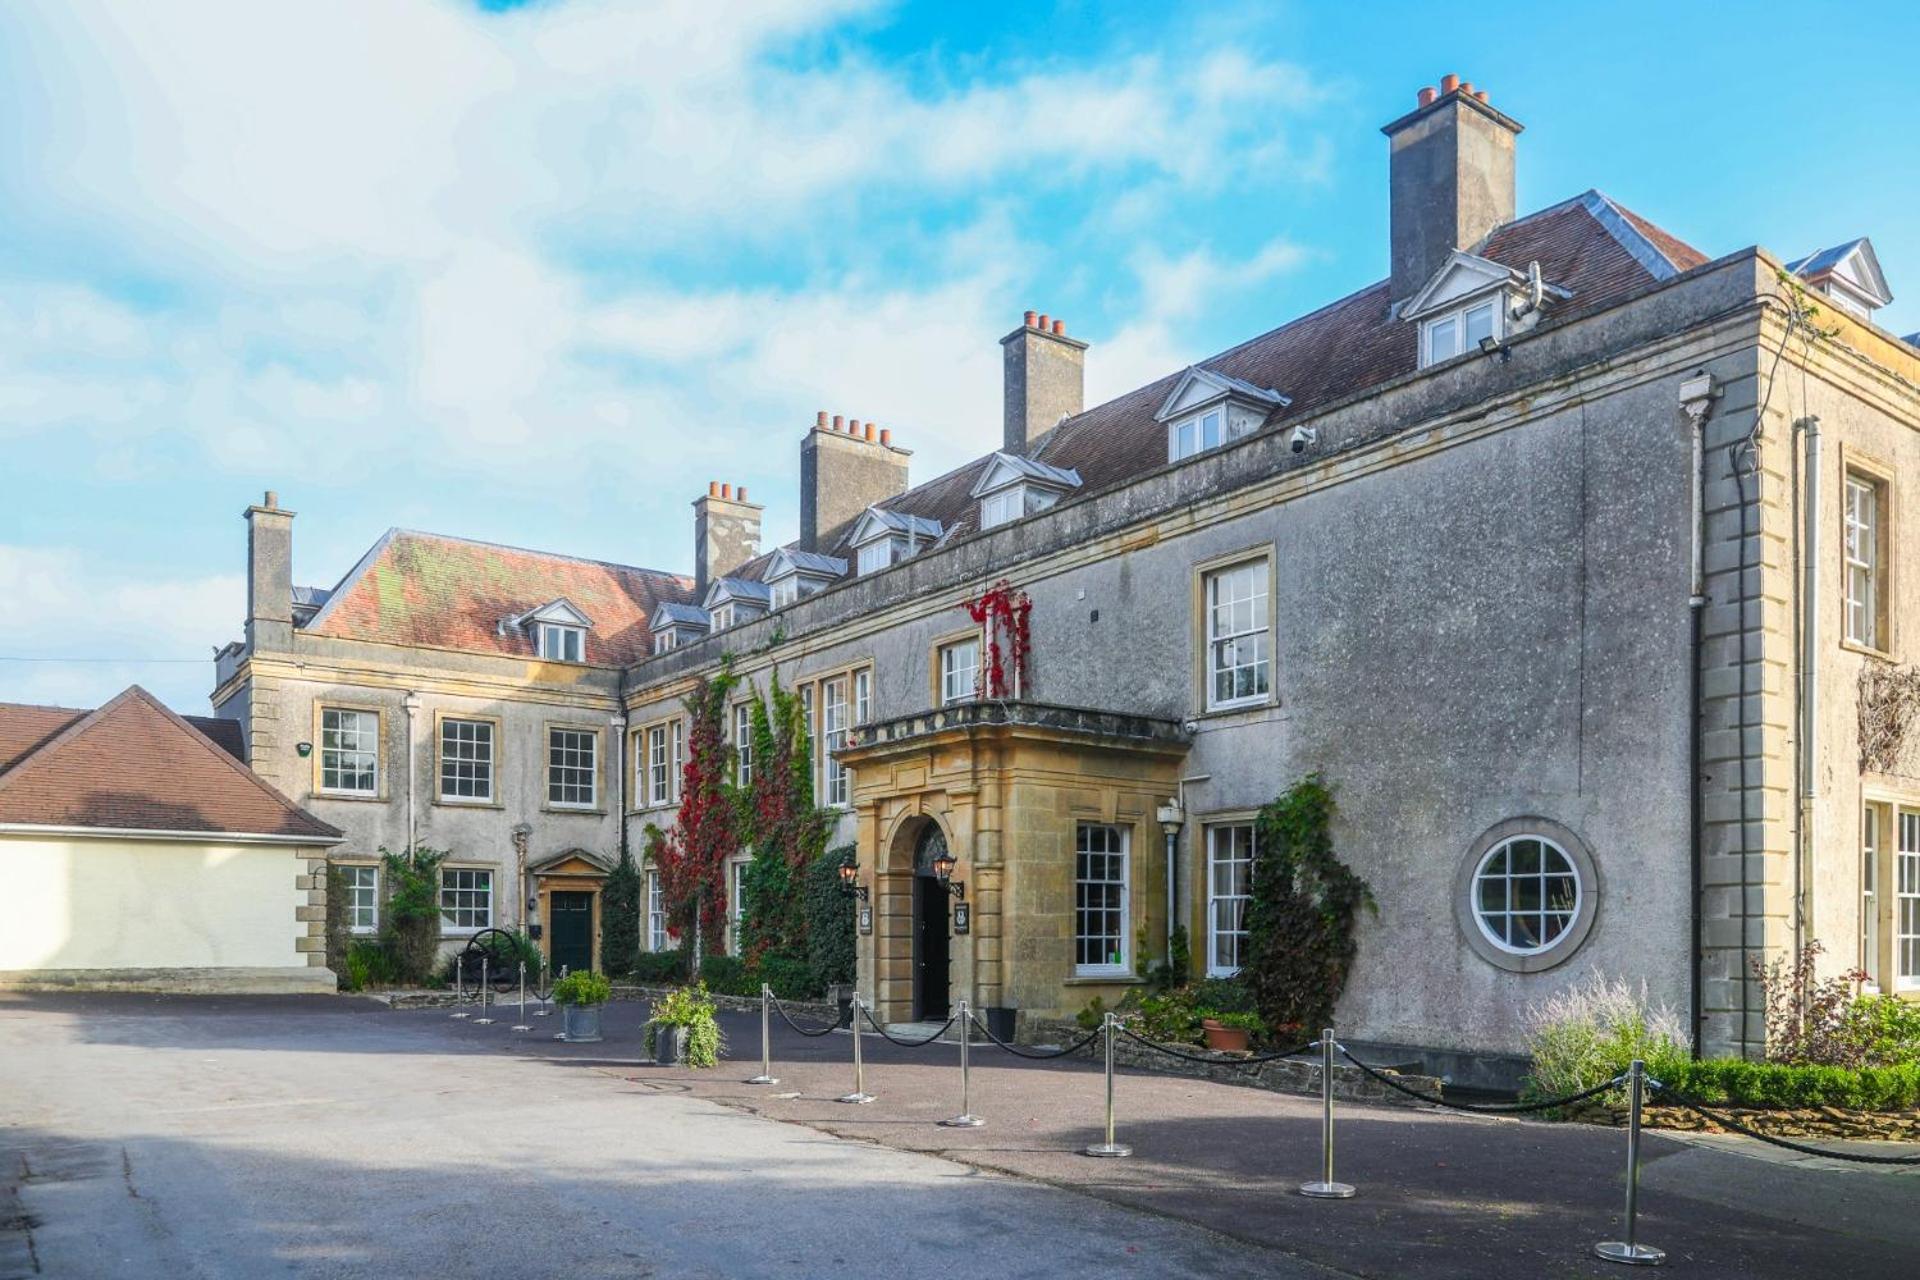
[(535, 273)]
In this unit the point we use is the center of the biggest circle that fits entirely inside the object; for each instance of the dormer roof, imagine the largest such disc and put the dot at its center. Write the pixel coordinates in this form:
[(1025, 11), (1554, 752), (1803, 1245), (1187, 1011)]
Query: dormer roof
[(1852, 266), (1003, 469), (878, 522), (675, 614), (1463, 275), (737, 591), (561, 612), (787, 561), (1198, 387)]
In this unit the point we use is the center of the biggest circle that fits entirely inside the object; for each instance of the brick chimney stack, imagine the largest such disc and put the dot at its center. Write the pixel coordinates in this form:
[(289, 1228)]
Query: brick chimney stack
[(846, 466), (269, 576), (726, 533), (1451, 179), (1045, 380)]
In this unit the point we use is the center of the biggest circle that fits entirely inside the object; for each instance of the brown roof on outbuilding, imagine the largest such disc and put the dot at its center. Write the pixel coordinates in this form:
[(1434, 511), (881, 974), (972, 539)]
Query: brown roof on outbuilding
[(133, 765), (426, 589)]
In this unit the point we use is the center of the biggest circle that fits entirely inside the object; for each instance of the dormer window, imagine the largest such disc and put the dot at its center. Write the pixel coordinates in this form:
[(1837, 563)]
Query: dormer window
[(1208, 409), (665, 641), (1012, 486), (881, 538), (792, 574), (785, 591), (562, 644), (733, 602), (1848, 275), (1458, 332)]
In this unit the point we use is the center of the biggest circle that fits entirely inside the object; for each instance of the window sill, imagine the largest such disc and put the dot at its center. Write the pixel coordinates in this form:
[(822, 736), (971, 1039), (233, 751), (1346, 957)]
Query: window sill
[(1241, 710), (1114, 979), (445, 803), (360, 796), (584, 811), (1867, 650)]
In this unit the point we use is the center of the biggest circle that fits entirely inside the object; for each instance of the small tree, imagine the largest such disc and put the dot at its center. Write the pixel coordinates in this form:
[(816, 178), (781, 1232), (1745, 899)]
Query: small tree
[(691, 858), (1300, 919), (411, 921), (620, 916)]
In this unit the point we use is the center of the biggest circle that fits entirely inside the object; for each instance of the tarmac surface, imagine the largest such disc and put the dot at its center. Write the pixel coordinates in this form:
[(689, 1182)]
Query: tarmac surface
[(149, 1136)]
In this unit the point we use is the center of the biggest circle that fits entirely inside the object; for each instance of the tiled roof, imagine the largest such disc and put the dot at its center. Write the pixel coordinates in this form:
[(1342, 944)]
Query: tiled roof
[(226, 734), (134, 765), (1599, 251), (811, 561), (449, 593), (25, 728)]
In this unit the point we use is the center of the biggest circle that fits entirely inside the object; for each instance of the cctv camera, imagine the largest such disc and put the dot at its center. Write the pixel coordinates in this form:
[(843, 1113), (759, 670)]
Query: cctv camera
[(1301, 437)]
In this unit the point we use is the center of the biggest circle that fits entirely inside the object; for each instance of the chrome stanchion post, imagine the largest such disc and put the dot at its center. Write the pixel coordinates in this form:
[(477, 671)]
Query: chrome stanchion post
[(485, 985), (459, 986), (966, 1119), (521, 1025), (1630, 1251), (1326, 1188), (766, 1040), (1109, 1147), (859, 1093), (544, 1011)]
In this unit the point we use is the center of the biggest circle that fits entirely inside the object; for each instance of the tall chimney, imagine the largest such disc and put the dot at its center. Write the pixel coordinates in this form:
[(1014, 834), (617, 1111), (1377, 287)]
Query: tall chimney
[(726, 533), (1045, 380), (269, 576), (1451, 179), (842, 473)]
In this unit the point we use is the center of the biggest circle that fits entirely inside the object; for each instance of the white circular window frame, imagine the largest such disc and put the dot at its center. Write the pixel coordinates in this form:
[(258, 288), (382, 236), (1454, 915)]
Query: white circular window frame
[(1586, 888)]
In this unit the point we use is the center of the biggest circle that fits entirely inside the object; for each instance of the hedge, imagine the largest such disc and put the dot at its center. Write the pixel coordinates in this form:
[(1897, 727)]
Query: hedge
[(1737, 1082)]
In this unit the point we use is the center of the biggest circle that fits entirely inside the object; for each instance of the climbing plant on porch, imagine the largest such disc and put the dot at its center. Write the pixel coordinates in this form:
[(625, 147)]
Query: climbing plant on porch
[(783, 827), (1002, 613), (1300, 920), (691, 857)]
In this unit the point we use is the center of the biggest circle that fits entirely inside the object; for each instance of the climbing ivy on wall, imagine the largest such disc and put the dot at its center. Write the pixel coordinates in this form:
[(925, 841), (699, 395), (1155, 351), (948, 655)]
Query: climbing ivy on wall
[(691, 856), (783, 827), (1300, 920)]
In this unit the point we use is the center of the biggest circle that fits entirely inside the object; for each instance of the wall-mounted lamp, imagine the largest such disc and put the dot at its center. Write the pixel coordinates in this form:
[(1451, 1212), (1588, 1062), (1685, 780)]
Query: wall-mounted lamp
[(849, 881), (1491, 348), (943, 872), (303, 749)]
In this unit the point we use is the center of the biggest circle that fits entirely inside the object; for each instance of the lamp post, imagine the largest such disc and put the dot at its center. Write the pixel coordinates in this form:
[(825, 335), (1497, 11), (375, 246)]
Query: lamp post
[(1172, 818), (851, 886), (850, 881), (943, 872)]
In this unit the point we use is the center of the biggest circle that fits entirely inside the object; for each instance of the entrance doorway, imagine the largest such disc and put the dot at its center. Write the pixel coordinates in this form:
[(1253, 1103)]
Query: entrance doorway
[(932, 935), (571, 919)]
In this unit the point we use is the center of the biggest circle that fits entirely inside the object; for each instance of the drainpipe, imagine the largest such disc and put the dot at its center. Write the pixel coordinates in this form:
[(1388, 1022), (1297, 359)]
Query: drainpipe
[(1697, 395), (412, 704), (1809, 686)]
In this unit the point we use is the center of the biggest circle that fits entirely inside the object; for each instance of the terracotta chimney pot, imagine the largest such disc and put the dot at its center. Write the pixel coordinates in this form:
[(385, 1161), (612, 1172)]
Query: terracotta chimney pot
[(743, 493), (1045, 322), (713, 488), (820, 418), (1448, 83), (726, 491), (1060, 327), (1031, 316), (1480, 94), (839, 422), (886, 436), (1466, 87), (1427, 95), (870, 430)]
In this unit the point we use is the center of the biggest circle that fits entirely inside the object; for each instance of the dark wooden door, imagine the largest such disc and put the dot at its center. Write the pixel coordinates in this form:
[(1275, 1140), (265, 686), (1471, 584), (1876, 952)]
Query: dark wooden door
[(571, 942), (932, 944)]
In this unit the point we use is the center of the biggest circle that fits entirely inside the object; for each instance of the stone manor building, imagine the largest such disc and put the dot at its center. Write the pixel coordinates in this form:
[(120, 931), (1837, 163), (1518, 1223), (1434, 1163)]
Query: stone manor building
[(1574, 557)]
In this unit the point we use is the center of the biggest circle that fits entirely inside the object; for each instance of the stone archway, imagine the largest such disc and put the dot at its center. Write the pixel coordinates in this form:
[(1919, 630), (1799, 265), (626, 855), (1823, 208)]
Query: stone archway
[(915, 956)]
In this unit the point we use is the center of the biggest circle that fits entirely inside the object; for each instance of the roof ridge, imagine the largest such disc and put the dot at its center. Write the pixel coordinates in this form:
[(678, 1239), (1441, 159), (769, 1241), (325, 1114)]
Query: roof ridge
[(1613, 219), (534, 551), (44, 706)]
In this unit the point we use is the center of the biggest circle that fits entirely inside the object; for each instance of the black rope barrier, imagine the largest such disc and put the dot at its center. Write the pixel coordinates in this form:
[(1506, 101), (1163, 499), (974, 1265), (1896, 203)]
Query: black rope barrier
[(1488, 1108), (1021, 1052), (1253, 1061), (781, 1009), (907, 1044), (1729, 1122)]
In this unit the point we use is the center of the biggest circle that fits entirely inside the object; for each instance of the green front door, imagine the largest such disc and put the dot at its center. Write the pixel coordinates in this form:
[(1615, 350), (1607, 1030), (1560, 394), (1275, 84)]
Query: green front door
[(571, 945)]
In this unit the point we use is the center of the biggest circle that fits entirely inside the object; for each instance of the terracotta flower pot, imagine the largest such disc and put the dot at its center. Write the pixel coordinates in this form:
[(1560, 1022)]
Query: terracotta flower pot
[(1223, 1039)]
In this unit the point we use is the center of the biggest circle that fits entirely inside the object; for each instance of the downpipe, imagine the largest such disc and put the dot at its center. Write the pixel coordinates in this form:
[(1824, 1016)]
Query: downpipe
[(1698, 395)]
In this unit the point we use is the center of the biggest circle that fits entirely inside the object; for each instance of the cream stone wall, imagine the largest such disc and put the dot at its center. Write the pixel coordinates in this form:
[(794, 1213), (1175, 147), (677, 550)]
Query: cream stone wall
[(126, 905)]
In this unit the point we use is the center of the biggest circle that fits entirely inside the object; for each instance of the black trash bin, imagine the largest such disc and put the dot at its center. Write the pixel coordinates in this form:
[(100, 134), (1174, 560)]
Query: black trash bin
[(999, 1021)]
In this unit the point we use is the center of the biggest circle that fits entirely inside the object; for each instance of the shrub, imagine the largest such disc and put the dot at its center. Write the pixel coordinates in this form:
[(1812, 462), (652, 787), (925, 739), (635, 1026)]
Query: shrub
[(1224, 995), (728, 976), (1168, 1016), (1807, 1017), (1093, 1014), (1737, 1082), (830, 922), (583, 986), (660, 966), (1887, 1030), (620, 916), (336, 925), (790, 979), (1591, 1032), (689, 1008), (367, 963), (1300, 918), (411, 919)]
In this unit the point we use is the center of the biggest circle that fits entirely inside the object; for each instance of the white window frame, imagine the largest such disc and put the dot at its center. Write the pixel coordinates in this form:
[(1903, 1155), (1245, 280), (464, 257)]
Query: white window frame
[(561, 643), (834, 709), (1121, 960), (362, 883), (1227, 639), (658, 939), (880, 553), (959, 683), (743, 743), (343, 744), (784, 591), (1870, 818), (1513, 884), (1197, 433), (466, 891), (1459, 324), (1002, 506), (666, 641), (659, 772), (1222, 894), (1860, 546), (556, 784), (736, 902), (862, 695), (722, 617), (1906, 899), (676, 756), (471, 758)]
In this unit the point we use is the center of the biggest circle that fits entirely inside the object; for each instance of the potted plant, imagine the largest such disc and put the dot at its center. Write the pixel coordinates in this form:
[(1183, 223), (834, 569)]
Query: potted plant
[(683, 1029), (1228, 1032), (580, 996)]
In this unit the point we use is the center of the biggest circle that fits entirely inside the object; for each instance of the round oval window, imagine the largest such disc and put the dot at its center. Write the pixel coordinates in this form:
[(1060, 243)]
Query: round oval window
[(1526, 894)]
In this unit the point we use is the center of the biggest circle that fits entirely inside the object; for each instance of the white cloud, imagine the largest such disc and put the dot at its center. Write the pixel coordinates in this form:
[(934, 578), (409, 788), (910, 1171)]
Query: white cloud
[(67, 604)]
